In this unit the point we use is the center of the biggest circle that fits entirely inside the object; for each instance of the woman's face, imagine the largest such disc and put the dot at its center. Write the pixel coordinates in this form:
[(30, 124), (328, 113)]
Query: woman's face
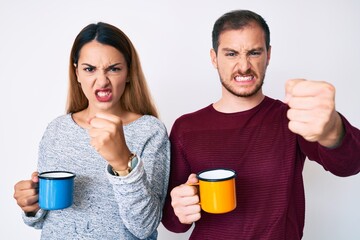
[(102, 72)]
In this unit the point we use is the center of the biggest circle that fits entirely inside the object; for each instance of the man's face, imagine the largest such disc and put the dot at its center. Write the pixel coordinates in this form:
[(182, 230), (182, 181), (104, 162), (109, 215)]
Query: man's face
[(242, 60)]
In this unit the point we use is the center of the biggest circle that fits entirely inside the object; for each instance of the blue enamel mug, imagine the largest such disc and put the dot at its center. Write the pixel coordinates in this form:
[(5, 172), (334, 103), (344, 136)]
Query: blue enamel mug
[(56, 189)]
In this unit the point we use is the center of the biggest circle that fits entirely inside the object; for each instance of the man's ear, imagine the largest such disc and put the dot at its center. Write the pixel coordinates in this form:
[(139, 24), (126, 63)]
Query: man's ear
[(268, 55), (213, 57)]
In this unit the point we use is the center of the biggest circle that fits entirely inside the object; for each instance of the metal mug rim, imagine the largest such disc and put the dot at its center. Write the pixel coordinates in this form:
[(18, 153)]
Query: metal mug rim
[(72, 175), (218, 179)]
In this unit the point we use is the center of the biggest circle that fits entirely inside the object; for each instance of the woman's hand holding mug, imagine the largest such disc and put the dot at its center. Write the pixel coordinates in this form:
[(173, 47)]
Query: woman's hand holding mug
[(26, 194)]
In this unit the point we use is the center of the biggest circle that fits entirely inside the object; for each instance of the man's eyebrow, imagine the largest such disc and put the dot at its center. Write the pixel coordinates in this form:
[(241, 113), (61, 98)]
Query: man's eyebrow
[(248, 50), (229, 50), (257, 49)]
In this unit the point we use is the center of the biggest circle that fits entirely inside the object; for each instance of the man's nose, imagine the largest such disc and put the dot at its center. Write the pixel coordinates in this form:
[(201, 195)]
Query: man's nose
[(243, 64)]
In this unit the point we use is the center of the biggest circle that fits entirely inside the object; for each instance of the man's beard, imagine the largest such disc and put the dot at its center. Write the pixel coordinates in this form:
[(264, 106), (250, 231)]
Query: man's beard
[(246, 94)]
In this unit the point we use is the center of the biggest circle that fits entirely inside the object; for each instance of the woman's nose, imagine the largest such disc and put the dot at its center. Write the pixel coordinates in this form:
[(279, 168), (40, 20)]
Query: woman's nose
[(102, 79)]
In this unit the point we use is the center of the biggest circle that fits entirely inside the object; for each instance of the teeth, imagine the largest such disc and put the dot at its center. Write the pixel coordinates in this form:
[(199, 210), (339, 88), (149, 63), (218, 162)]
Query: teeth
[(103, 94), (243, 78)]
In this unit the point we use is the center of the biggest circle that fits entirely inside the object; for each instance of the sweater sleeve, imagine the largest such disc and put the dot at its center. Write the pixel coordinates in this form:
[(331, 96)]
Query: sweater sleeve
[(141, 194), (36, 221), (344, 160), (179, 172)]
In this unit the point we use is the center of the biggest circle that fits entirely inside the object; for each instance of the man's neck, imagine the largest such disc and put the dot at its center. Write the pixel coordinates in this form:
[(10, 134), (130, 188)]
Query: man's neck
[(232, 104)]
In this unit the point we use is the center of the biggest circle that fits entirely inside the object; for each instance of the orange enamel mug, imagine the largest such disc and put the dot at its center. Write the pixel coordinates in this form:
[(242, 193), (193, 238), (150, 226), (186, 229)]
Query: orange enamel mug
[(217, 190)]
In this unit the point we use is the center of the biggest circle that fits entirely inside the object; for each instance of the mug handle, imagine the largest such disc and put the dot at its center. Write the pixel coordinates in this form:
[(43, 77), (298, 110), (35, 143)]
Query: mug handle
[(195, 184), (192, 184)]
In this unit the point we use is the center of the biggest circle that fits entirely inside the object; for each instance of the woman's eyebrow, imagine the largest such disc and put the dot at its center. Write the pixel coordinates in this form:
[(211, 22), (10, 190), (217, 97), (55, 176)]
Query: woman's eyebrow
[(89, 65)]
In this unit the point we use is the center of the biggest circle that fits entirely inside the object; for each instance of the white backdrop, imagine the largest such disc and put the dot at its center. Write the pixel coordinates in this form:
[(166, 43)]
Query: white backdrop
[(311, 39)]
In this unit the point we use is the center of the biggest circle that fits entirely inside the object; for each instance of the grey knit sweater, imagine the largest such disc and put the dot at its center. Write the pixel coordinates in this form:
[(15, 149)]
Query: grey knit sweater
[(105, 206)]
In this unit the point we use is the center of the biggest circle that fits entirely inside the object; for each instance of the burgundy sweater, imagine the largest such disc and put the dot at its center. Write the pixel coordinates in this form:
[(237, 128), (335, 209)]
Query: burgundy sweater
[(268, 159)]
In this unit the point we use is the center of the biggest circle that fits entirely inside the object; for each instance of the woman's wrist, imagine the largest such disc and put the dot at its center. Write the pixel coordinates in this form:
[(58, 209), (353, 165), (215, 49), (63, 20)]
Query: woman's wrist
[(131, 164)]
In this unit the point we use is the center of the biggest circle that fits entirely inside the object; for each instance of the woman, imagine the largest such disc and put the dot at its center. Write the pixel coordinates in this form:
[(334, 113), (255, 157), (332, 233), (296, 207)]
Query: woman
[(111, 139)]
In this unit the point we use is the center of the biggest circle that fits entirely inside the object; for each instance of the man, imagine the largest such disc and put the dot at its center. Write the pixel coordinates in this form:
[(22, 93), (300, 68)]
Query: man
[(264, 140)]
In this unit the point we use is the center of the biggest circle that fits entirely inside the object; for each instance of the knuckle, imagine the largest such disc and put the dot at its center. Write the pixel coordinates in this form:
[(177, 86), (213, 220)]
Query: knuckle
[(113, 127), (22, 202), (174, 204), (106, 137), (174, 193)]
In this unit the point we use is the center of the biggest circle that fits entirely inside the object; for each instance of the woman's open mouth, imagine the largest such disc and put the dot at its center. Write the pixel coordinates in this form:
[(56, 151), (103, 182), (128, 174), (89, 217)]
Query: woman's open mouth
[(103, 95)]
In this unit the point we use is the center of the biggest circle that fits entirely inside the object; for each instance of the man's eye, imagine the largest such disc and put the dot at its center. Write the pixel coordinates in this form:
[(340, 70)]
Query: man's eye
[(255, 53), (230, 54)]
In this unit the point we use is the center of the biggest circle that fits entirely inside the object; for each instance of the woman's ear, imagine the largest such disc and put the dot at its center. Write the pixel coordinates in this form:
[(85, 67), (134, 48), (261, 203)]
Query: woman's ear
[(76, 70)]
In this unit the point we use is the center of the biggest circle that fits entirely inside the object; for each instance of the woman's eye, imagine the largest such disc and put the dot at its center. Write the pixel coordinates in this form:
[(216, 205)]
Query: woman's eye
[(89, 69), (114, 69)]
